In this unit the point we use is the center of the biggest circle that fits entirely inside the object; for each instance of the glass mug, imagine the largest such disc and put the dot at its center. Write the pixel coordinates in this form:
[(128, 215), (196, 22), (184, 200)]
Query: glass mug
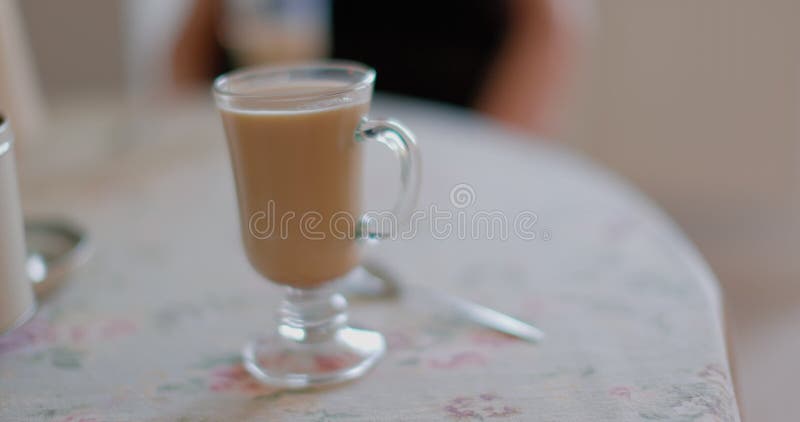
[(295, 136)]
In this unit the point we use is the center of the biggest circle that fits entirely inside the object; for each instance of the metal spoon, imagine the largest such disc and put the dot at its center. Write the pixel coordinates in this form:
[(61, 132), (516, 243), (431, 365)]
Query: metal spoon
[(56, 248), (372, 281)]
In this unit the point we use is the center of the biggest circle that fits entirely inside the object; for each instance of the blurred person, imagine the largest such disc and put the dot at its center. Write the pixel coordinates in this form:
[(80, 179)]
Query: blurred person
[(510, 59)]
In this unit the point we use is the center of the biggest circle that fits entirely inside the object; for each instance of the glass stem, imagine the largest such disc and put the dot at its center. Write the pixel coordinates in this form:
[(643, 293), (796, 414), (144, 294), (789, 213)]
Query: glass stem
[(311, 315)]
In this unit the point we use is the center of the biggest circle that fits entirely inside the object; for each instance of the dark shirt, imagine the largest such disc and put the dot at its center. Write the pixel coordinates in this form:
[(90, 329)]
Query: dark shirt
[(435, 49)]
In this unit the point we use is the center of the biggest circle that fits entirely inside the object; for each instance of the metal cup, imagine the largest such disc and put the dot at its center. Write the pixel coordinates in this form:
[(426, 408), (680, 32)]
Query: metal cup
[(17, 302)]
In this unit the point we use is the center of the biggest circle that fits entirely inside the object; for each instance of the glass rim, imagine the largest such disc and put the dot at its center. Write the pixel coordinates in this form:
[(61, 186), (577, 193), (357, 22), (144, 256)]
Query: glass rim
[(366, 77)]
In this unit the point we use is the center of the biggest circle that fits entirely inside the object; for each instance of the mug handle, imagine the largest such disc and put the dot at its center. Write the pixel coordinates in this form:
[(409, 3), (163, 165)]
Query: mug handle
[(400, 140)]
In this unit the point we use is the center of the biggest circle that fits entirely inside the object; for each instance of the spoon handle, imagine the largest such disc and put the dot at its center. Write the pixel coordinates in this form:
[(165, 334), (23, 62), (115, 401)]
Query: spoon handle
[(488, 317), (374, 281)]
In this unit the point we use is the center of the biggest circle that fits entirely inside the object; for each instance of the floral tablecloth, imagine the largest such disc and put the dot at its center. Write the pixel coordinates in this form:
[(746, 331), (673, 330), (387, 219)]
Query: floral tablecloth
[(151, 328)]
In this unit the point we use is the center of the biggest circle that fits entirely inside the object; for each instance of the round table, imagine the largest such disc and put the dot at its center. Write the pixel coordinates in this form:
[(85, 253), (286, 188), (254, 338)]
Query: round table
[(152, 327)]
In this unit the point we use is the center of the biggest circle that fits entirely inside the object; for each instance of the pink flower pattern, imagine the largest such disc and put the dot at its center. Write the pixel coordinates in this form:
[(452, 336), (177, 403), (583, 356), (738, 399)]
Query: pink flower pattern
[(459, 360), (621, 392), (492, 339), (75, 418), (486, 405), (40, 332), (36, 332), (399, 341), (235, 379)]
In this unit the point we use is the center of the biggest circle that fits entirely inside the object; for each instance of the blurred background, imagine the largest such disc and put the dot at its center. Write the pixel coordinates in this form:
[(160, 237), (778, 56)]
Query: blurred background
[(696, 102)]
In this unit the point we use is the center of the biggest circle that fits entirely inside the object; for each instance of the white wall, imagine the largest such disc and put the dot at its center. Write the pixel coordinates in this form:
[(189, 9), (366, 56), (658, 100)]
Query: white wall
[(150, 29), (77, 44), (696, 98), (102, 46)]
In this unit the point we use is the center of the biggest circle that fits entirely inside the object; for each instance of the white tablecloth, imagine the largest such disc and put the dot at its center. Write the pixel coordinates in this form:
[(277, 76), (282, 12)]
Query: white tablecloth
[(152, 327)]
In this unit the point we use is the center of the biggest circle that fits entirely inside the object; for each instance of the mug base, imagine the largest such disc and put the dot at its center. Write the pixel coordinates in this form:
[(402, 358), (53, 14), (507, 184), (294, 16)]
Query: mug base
[(280, 361)]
